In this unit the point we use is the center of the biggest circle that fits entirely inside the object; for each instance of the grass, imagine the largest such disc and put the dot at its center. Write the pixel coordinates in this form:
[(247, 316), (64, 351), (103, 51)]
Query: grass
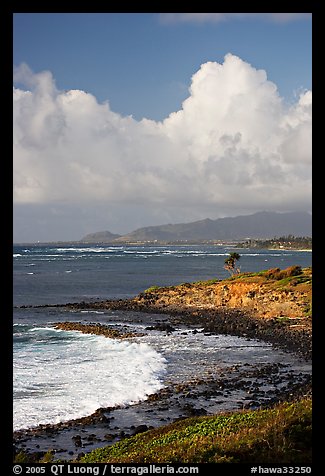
[(275, 277), (278, 279), (152, 289), (208, 282), (281, 434)]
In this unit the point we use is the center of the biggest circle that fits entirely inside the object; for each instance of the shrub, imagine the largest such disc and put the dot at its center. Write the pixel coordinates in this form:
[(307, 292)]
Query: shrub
[(277, 273), (293, 271), (272, 273)]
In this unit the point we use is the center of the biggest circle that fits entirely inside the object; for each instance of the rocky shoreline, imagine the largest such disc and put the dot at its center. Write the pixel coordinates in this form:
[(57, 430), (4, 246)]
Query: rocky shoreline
[(200, 396), (293, 336), (274, 306), (256, 385)]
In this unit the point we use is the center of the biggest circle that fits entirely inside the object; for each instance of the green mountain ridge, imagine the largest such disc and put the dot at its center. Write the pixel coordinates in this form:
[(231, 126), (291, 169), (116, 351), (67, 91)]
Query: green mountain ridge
[(100, 237), (260, 225)]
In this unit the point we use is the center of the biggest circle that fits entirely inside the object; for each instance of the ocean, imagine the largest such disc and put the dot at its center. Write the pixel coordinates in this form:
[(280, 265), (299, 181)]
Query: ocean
[(60, 375)]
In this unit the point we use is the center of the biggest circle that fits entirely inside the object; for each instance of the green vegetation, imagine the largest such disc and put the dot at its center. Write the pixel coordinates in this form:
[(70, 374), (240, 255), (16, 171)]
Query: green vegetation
[(22, 457), (25, 457), (283, 242), (230, 263), (208, 282), (290, 277), (152, 289), (281, 434), (308, 309), (293, 275), (277, 273)]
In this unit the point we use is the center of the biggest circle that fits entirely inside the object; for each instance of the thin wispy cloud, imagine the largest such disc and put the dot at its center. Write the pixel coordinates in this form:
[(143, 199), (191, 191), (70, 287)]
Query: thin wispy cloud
[(201, 18)]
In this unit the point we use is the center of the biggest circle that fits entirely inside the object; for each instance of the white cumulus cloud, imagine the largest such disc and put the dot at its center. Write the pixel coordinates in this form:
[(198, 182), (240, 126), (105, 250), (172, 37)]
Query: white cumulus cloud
[(234, 145)]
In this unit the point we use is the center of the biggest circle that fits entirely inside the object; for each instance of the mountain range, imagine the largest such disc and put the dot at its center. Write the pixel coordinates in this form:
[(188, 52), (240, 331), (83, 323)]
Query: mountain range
[(260, 225)]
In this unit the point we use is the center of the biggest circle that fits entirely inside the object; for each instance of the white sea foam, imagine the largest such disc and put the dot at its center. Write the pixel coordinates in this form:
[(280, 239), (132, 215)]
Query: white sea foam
[(84, 250), (60, 375), (91, 311)]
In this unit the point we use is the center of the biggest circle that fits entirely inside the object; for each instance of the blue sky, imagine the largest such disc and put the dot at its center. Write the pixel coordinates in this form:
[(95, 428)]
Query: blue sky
[(142, 63), (227, 131)]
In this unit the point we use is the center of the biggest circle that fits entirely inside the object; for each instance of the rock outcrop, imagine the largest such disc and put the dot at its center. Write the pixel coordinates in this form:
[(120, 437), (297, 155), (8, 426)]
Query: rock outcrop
[(258, 294), (97, 329)]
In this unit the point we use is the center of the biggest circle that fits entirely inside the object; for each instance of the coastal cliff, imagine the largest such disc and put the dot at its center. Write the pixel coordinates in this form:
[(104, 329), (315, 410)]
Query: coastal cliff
[(273, 305), (270, 294)]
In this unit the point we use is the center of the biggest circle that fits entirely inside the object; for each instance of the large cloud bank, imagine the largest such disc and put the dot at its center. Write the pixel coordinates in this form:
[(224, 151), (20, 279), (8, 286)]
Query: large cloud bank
[(234, 146)]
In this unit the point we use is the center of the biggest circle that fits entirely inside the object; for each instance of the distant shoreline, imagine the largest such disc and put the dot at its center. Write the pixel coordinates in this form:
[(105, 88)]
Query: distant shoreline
[(291, 249), (234, 244)]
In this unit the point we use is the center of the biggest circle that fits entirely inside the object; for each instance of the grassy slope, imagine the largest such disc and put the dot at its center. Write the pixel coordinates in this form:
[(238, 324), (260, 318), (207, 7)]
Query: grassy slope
[(281, 434)]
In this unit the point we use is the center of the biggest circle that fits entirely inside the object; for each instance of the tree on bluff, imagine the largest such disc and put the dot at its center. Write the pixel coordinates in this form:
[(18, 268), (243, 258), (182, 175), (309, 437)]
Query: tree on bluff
[(230, 263)]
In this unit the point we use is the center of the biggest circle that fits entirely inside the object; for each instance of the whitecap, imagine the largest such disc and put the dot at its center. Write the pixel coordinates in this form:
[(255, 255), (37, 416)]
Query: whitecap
[(70, 375)]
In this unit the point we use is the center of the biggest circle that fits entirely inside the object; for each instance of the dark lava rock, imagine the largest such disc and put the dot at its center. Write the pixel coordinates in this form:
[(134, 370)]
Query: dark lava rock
[(77, 440), (161, 327), (139, 429), (191, 411)]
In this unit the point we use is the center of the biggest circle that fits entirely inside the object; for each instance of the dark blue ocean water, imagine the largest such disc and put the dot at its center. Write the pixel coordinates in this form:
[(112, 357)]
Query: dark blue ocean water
[(53, 274), (60, 375)]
